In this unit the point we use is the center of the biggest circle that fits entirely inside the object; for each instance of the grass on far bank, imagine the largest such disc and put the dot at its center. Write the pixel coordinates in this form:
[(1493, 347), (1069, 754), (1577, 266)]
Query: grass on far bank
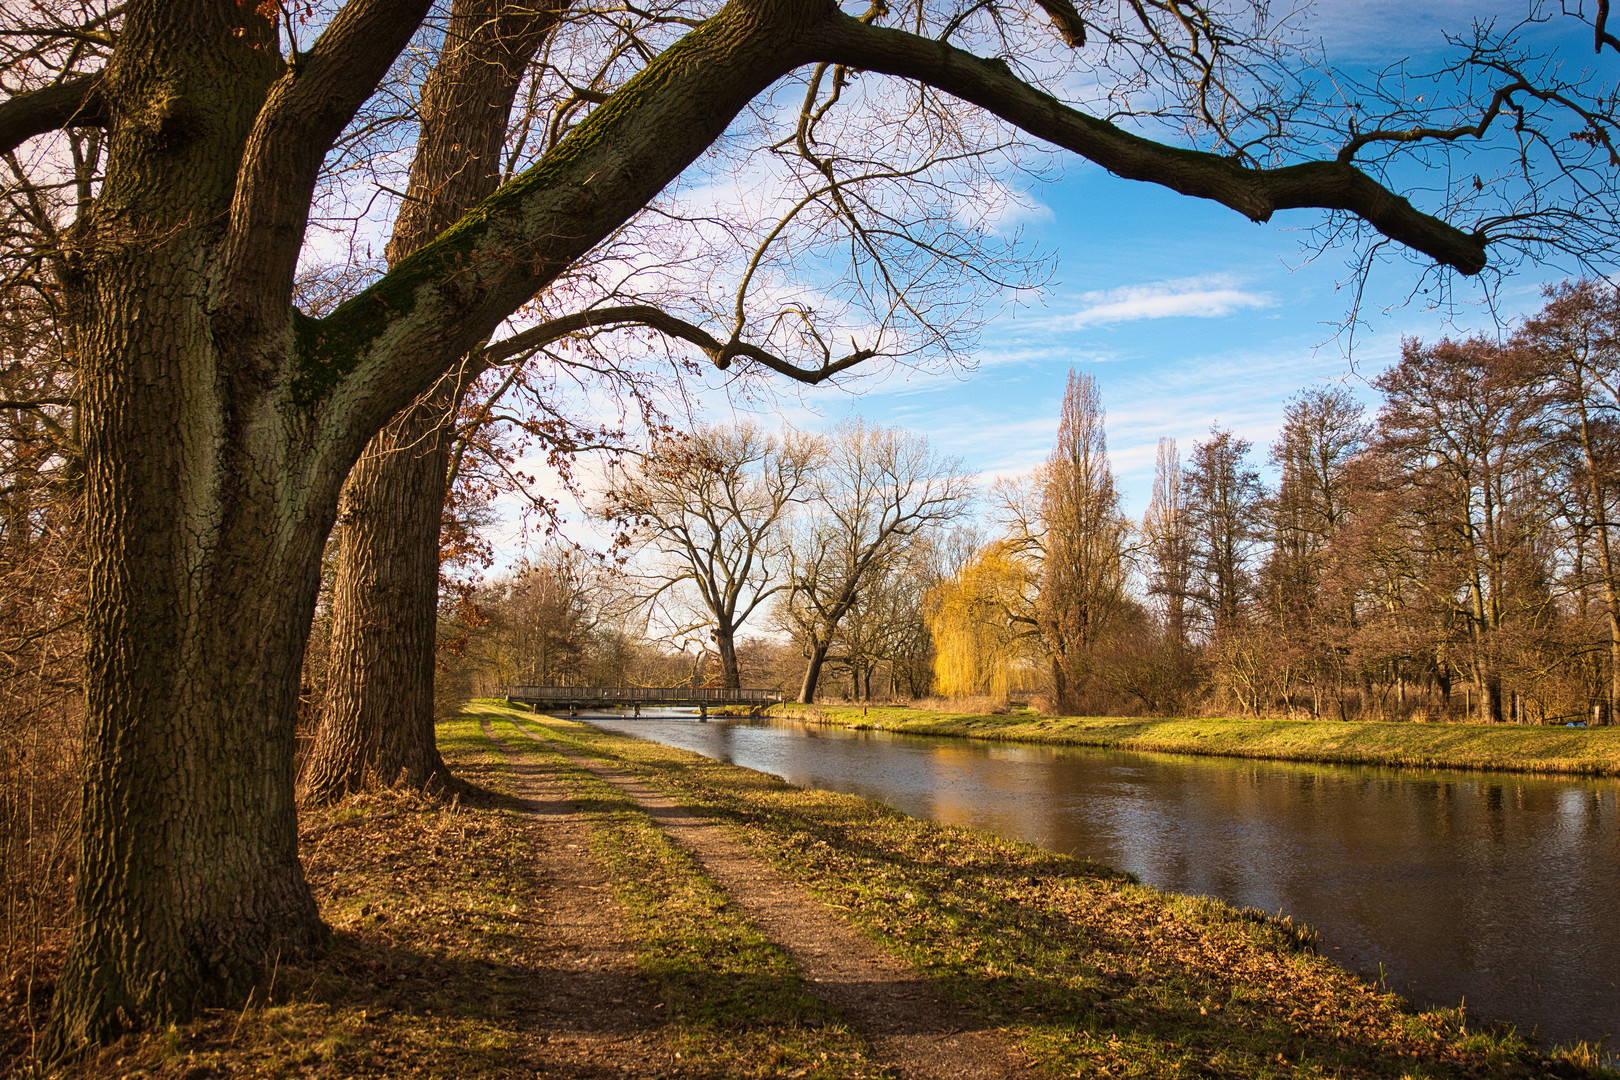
[(1495, 747), (1097, 975)]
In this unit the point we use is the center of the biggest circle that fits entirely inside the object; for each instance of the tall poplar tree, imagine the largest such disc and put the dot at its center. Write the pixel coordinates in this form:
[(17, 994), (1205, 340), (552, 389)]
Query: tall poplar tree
[(1079, 547), (1224, 514), (1169, 547)]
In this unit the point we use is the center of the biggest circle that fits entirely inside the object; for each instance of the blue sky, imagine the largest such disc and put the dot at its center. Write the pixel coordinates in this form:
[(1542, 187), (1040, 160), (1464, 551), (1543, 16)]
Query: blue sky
[(1186, 313)]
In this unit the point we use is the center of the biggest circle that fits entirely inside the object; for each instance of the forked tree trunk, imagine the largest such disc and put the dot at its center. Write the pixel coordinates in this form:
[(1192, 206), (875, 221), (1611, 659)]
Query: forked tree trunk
[(812, 674), (220, 424), (725, 643), (203, 570)]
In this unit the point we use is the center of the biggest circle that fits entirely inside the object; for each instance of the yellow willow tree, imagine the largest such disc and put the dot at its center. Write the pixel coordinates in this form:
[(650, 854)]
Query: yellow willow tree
[(977, 648)]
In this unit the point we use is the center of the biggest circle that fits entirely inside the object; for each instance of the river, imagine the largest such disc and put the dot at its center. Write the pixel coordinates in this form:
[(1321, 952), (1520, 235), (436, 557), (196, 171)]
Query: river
[(1493, 890)]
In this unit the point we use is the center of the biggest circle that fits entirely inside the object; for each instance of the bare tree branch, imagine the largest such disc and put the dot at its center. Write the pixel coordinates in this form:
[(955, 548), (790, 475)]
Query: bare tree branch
[(306, 110), (1600, 32), (73, 102), (1255, 193), (721, 352)]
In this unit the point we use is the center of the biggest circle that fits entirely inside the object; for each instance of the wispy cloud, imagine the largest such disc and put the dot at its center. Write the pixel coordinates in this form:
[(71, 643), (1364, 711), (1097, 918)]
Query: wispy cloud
[(1197, 298)]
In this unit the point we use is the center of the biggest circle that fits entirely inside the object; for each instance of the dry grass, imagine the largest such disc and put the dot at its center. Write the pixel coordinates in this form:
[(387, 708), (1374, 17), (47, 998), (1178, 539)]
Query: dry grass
[(983, 705), (428, 970), (41, 720)]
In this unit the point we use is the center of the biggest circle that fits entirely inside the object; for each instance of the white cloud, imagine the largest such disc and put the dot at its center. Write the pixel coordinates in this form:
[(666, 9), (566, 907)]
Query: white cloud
[(1200, 298)]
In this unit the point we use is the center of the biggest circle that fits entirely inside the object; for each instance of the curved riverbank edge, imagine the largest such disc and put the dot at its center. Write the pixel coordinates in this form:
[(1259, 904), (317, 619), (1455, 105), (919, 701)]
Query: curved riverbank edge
[(1555, 751)]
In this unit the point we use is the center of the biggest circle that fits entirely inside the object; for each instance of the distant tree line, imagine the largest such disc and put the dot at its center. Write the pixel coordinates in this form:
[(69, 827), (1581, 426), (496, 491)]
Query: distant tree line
[(1448, 553), (832, 544)]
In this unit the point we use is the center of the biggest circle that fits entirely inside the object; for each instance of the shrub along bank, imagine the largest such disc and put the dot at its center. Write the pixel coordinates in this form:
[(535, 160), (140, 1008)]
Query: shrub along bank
[(1504, 748)]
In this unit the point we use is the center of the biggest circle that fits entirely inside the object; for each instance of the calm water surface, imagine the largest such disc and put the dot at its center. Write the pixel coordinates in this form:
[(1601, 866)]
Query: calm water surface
[(1495, 890)]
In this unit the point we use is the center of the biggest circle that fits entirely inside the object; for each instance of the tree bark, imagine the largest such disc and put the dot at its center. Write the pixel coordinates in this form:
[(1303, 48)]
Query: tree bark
[(812, 674), (725, 643), (203, 573), (376, 723)]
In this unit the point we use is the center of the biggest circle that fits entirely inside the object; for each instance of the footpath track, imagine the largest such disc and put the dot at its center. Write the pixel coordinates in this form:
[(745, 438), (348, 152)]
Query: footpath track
[(604, 1014), (911, 1028)]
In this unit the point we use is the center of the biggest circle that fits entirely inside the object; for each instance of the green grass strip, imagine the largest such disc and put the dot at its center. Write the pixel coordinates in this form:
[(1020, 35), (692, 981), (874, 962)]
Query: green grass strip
[(1499, 748)]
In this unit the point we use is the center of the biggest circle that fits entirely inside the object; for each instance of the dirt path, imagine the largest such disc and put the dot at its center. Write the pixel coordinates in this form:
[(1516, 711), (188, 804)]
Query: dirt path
[(910, 1027), (604, 1017)]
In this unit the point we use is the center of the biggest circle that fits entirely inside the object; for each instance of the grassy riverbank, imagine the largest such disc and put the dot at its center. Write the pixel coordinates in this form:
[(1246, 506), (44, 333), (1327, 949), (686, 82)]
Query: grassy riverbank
[(446, 960), (1094, 973), (1506, 748)]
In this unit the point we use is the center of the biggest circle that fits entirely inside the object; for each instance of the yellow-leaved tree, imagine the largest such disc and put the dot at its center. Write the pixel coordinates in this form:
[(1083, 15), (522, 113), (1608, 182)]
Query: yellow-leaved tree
[(978, 650)]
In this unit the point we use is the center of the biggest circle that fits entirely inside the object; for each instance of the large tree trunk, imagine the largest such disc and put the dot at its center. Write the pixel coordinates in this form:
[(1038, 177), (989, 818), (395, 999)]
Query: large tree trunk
[(189, 883), (1489, 686), (725, 643), (812, 674), (376, 723), (202, 572)]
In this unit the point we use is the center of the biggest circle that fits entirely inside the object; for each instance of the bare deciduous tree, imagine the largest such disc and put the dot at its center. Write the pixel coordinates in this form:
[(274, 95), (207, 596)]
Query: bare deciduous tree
[(878, 491), (1323, 435), (1577, 336), (710, 511), (1461, 419)]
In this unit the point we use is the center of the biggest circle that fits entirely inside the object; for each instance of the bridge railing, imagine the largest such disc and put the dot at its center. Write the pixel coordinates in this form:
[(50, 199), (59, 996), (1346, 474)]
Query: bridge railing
[(642, 695)]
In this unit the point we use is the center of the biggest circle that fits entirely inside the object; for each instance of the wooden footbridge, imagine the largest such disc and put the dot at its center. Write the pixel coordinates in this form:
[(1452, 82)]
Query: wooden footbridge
[(703, 698)]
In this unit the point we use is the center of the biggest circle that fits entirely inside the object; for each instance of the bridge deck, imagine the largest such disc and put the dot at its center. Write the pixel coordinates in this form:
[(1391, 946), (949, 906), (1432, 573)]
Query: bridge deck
[(580, 697)]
